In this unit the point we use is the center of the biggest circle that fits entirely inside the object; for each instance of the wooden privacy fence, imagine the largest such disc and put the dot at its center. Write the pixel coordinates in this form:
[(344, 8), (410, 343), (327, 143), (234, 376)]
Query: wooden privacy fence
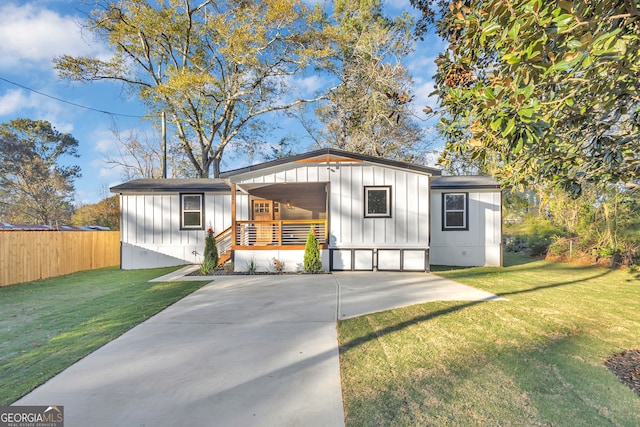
[(33, 255)]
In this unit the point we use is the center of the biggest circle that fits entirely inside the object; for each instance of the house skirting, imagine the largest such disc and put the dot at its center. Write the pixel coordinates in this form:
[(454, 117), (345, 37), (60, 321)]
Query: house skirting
[(153, 256), (263, 260), (379, 259), (466, 255), (343, 259)]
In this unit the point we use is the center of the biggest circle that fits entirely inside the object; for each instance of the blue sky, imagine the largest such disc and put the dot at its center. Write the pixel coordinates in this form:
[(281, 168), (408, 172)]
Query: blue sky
[(32, 33)]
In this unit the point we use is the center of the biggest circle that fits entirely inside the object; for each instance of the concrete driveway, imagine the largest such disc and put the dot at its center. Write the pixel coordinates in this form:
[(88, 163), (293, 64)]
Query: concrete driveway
[(241, 351)]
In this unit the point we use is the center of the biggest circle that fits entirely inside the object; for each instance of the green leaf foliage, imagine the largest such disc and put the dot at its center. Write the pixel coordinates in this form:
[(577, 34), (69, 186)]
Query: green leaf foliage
[(210, 249), (312, 262), (548, 91), (36, 186), (370, 110), (214, 67)]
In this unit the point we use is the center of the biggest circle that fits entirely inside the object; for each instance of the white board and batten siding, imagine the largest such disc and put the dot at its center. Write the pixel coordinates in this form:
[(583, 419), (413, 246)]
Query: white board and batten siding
[(400, 242), (481, 244), (151, 235), (410, 239)]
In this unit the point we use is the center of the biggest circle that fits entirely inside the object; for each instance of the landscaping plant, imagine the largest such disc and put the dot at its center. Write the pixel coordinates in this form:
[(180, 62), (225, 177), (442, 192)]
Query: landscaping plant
[(312, 262), (207, 266), (210, 252), (252, 267), (278, 265)]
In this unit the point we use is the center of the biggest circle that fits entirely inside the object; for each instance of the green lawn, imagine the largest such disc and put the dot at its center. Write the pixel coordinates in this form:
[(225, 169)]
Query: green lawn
[(47, 325), (534, 359)]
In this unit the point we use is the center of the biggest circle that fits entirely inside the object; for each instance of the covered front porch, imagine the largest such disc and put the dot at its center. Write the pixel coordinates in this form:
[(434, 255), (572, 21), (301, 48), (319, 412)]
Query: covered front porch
[(280, 216)]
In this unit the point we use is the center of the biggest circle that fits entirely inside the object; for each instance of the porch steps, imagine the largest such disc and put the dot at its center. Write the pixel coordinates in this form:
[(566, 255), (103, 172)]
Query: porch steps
[(223, 243), (224, 257)]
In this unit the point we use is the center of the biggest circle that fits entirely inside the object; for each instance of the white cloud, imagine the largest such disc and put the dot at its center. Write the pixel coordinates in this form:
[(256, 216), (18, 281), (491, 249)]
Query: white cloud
[(104, 141), (308, 85), (101, 169), (14, 100), (422, 60), (423, 67), (62, 126), (33, 35), (422, 98), (106, 144), (17, 102), (110, 171)]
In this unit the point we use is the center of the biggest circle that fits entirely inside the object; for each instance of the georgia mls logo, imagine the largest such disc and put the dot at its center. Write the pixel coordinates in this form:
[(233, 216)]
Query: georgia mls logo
[(31, 416)]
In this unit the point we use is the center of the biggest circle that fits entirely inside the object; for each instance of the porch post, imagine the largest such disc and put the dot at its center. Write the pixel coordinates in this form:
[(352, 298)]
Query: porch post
[(234, 240)]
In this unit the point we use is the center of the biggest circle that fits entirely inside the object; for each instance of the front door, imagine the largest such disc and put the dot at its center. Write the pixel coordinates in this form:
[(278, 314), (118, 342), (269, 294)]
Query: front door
[(265, 210)]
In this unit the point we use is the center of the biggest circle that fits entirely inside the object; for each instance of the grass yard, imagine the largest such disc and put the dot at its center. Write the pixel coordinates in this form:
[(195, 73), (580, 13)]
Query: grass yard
[(533, 359), (47, 325)]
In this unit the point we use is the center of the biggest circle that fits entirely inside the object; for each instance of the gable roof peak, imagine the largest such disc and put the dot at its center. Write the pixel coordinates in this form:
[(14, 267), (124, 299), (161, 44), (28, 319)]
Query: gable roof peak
[(331, 155)]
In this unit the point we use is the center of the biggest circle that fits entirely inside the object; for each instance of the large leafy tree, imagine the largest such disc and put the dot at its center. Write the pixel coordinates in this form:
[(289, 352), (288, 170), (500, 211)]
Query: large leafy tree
[(548, 89), (105, 213), (215, 66), (370, 111), (35, 186)]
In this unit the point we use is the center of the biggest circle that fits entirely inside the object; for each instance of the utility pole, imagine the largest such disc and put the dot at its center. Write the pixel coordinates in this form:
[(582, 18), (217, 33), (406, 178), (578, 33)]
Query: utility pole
[(164, 145)]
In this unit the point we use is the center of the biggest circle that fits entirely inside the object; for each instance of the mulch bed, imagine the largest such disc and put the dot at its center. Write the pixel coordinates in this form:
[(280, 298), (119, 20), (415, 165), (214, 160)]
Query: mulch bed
[(626, 366), (257, 273)]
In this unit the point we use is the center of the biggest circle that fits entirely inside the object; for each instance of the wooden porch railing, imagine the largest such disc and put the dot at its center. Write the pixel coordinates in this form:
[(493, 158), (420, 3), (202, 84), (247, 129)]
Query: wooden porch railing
[(279, 232)]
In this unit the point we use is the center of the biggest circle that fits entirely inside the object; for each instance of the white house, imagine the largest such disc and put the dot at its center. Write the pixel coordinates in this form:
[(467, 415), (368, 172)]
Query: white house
[(368, 213)]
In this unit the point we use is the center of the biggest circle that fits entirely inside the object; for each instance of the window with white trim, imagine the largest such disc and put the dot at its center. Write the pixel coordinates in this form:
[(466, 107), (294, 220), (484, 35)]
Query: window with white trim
[(192, 211), (377, 202), (455, 211)]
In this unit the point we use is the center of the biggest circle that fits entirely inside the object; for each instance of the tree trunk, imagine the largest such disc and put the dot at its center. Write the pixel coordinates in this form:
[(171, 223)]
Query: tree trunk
[(216, 167)]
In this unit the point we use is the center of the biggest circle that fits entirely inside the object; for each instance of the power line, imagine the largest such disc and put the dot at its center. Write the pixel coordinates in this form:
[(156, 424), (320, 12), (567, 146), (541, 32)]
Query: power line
[(73, 103)]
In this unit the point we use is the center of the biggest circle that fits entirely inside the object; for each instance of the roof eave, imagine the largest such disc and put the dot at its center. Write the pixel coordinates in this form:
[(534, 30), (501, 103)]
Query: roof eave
[(330, 151)]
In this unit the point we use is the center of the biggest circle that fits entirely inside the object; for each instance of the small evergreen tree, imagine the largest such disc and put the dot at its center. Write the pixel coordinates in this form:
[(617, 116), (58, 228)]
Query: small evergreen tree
[(312, 262), (210, 249)]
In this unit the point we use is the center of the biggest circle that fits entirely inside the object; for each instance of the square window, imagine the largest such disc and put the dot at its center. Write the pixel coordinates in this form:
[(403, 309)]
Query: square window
[(192, 211), (377, 202), (455, 211)]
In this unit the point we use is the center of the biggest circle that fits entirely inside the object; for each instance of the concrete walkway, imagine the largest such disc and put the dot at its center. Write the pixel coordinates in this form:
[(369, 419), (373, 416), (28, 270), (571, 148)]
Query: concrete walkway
[(241, 351)]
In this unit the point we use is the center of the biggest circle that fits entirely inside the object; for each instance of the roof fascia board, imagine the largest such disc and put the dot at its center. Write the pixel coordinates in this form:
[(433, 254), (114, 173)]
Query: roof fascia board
[(329, 153), (460, 187)]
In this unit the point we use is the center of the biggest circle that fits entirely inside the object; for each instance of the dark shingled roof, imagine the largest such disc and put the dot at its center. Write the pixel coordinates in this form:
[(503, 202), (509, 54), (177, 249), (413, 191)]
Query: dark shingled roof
[(459, 182), (332, 152), (172, 185), (218, 185)]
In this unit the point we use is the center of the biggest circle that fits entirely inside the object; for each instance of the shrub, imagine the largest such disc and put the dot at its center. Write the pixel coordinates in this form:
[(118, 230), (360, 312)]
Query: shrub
[(533, 235), (210, 249), (252, 267), (207, 266), (560, 248), (278, 265), (538, 245), (312, 262)]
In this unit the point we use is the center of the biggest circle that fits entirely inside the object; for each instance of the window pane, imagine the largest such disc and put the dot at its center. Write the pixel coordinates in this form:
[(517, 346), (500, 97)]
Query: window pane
[(454, 202), (377, 202), (192, 219), (191, 203), (454, 219)]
